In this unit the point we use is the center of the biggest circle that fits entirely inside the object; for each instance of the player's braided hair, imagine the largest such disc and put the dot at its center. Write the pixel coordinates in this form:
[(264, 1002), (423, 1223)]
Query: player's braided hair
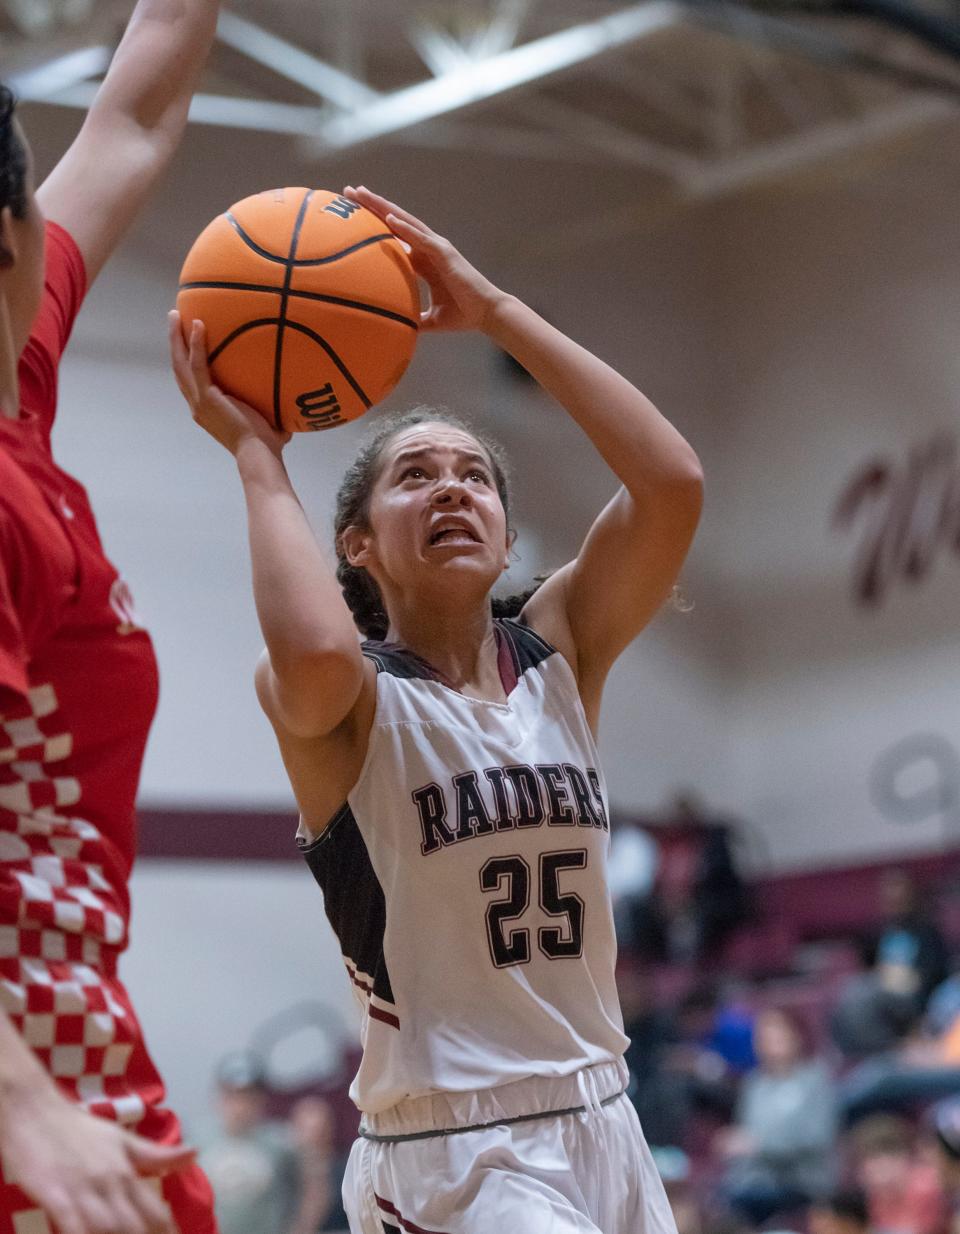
[(353, 509), (13, 158)]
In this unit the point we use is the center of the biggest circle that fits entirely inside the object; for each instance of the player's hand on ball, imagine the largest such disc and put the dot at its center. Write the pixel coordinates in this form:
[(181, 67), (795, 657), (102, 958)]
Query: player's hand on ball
[(226, 419), (460, 297), (87, 1174)]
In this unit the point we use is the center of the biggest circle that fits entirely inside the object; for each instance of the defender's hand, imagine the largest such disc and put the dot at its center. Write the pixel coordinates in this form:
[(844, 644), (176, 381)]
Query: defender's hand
[(87, 1174)]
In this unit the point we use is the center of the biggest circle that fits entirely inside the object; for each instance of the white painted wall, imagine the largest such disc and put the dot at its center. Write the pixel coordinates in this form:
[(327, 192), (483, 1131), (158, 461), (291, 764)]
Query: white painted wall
[(792, 333)]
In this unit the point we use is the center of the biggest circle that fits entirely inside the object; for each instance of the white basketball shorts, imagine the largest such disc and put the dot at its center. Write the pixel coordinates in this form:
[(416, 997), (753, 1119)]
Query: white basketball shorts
[(514, 1164)]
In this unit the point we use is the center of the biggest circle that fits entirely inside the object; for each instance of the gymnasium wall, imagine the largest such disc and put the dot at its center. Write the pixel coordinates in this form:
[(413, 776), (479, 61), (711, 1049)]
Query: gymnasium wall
[(844, 371), (796, 333)]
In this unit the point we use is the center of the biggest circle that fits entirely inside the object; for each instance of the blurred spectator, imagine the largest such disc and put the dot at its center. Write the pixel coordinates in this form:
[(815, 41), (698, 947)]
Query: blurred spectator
[(842, 1212), (704, 908), (780, 1150), (905, 961), (904, 1192), (923, 1068), (312, 1129), (634, 858), (659, 1096), (254, 1163), (710, 1047), (946, 1125)]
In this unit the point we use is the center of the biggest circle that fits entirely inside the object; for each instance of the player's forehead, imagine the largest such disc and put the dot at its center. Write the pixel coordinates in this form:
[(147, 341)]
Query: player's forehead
[(431, 439)]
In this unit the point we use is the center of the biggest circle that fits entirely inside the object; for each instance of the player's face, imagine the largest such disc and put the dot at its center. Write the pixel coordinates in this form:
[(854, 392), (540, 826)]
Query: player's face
[(435, 511), (23, 278)]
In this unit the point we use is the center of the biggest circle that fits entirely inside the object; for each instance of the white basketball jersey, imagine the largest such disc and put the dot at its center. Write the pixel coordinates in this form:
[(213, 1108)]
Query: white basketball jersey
[(465, 879)]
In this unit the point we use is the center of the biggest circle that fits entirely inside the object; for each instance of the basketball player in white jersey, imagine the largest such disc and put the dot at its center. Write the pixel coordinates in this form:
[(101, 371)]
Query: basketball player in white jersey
[(453, 809)]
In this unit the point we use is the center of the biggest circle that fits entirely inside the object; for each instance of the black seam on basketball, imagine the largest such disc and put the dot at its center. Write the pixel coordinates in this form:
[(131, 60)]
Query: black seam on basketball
[(306, 261), (293, 325), (305, 295), (282, 324), (297, 325), (247, 325)]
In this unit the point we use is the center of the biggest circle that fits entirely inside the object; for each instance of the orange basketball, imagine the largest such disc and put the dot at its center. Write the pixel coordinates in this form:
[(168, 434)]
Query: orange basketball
[(310, 305)]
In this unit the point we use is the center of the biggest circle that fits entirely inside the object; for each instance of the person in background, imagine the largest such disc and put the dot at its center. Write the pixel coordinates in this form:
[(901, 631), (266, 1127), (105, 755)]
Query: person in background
[(255, 1163), (660, 1096), (844, 1211), (719, 899), (906, 959), (946, 1129), (904, 1192), (312, 1127), (780, 1150), (632, 871)]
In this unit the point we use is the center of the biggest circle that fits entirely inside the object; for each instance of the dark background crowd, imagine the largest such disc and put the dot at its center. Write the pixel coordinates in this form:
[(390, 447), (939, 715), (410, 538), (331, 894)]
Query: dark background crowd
[(794, 1050)]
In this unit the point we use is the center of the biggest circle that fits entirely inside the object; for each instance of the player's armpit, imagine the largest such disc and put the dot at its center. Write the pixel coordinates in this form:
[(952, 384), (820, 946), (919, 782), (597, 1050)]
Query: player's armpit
[(627, 567), (314, 696)]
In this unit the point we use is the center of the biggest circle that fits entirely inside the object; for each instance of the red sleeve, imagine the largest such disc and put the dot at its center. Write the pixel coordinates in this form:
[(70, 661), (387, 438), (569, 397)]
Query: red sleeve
[(65, 285)]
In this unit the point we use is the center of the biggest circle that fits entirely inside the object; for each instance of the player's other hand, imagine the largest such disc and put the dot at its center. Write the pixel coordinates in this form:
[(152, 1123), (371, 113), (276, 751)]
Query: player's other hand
[(88, 1175), (460, 297), (226, 419)]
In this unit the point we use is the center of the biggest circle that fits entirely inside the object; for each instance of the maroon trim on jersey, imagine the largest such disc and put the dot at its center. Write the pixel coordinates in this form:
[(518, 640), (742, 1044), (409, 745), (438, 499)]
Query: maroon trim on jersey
[(378, 1013), (361, 985), (392, 1211)]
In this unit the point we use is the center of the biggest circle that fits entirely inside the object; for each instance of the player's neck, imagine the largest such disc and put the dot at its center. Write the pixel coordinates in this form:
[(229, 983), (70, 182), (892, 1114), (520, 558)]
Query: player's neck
[(460, 645), (9, 353)]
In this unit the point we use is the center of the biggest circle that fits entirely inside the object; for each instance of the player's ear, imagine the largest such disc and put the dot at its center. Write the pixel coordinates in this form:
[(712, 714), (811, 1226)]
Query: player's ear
[(355, 542), (509, 553)]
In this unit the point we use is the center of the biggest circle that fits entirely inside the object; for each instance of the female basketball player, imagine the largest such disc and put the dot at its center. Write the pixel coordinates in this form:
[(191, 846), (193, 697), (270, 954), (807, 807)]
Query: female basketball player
[(77, 693), (453, 809)]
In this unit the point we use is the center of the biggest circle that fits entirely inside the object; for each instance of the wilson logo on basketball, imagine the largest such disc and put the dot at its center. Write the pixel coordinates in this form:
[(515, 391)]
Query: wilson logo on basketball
[(320, 408), (341, 208)]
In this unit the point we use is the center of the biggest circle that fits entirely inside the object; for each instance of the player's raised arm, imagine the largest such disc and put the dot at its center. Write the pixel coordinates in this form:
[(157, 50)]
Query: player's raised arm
[(312, 673), (133, 127), (593, 607)]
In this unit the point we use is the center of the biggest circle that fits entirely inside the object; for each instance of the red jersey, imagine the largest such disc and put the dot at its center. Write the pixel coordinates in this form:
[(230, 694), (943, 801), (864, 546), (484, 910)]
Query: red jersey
[(78, 690)]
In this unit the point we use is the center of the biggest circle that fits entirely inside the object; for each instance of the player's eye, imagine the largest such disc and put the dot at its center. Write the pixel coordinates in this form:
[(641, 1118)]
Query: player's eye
[(477, 473), (412, 473)]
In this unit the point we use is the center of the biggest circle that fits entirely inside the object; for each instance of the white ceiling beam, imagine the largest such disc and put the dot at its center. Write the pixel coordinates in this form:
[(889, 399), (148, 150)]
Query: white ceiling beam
[(293, 63), (438, 49), (497, 75), (505, 141), (60, 73), (254, 115), (594, 133), (503, 29)]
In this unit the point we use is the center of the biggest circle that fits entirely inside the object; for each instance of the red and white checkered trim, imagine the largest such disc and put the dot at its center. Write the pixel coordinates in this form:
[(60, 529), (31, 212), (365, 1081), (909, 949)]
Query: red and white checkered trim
[(62, 924)]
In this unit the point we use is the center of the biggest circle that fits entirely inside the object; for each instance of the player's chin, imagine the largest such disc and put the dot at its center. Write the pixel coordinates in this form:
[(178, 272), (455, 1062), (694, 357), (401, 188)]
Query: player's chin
[(467, 562)]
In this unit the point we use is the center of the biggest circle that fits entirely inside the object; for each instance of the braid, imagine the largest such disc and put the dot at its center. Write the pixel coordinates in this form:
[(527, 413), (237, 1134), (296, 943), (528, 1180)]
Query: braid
[(364, 600), (13, 159)]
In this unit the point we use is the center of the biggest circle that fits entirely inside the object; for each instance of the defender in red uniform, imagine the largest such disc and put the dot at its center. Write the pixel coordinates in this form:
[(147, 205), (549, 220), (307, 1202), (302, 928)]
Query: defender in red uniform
[(86, 1146)]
